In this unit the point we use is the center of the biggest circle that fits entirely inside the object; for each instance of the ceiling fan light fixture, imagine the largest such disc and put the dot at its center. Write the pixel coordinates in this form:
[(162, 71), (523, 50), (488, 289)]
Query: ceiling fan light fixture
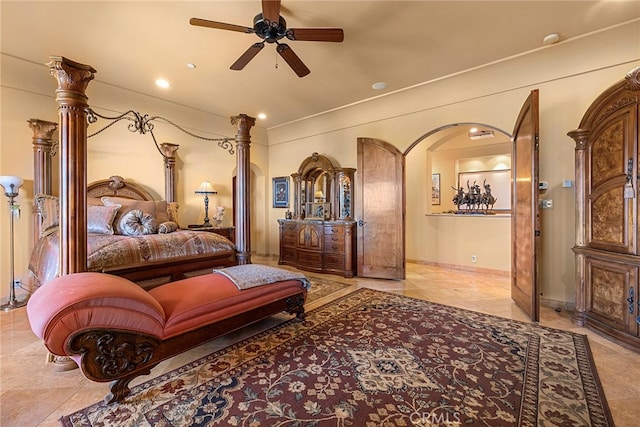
[(379, 86)]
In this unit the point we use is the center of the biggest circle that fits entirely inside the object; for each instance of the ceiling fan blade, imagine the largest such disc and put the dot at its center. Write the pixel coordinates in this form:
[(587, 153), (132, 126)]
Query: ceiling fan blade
[(247, 56), (271, 10), (220, 25), (316, 34), (292, 59)]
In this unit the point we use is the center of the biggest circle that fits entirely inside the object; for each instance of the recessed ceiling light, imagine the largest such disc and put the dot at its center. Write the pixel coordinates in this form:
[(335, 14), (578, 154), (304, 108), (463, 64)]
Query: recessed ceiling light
[(379, 85), (162, 83), (262, 116), (191, 65), (551, 39)]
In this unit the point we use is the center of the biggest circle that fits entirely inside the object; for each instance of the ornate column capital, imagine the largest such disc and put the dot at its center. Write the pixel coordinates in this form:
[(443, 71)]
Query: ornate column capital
[(42, 129), (168, 150), (581, 137), (243, 124), (73, 78)]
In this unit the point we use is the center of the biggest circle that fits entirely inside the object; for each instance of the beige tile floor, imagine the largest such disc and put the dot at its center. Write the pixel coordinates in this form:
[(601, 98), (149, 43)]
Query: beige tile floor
[(31, 394)]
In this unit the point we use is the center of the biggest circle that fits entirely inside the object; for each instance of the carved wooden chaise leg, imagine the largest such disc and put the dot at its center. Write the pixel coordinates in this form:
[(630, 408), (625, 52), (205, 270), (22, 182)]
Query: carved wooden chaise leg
[(119, 389)]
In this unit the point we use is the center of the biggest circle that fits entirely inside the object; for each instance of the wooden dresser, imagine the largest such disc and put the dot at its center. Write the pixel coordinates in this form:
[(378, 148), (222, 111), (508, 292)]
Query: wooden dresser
[(607, 212), (320, 246)]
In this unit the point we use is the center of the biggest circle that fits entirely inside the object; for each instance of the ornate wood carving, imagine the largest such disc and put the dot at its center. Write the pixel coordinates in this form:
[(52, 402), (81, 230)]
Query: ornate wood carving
[(73, 79), (116, 186), (243, 124)]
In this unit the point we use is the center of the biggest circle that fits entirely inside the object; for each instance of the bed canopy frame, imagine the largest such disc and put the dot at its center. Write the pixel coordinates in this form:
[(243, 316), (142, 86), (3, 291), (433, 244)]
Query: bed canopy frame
[(73, 79)]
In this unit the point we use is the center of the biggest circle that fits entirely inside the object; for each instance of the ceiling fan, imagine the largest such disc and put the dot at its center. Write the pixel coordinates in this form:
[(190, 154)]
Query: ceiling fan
[(271, 28)]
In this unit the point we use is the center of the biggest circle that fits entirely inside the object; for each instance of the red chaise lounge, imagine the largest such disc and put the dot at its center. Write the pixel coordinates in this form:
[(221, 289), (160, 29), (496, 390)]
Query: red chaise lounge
[(116, 331)]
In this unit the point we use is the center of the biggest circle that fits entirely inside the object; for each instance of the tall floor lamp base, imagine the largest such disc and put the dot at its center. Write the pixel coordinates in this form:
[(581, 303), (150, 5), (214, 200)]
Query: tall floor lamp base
[(15, 303), (11, 304)]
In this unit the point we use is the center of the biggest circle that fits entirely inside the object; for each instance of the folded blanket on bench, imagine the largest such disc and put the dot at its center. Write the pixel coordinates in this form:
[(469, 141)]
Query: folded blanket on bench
[(251, 275)]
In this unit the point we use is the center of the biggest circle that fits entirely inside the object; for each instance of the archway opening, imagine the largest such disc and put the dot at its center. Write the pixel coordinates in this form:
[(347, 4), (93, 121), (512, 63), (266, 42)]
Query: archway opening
[(437, 165)]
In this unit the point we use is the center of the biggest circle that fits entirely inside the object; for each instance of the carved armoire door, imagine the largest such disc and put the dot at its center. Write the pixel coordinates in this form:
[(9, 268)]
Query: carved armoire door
[(607, 256)]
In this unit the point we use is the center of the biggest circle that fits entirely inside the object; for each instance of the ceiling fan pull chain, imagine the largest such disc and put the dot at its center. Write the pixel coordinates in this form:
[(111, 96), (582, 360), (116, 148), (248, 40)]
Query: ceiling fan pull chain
[(276, 55)]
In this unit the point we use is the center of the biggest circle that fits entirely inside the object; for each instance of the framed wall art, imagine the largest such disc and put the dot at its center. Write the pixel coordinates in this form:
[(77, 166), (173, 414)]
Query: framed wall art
[(435, 188), (281, 192)]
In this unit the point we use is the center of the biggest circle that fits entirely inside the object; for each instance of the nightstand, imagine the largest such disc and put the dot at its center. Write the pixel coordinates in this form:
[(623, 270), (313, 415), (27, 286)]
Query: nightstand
[(228, 232)]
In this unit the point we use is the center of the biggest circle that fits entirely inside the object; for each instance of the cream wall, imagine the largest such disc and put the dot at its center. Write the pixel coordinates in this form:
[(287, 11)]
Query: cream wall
[(28, 91), (569, 76)]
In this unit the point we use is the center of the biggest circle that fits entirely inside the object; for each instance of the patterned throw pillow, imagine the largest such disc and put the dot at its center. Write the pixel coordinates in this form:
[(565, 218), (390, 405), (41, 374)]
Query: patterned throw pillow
[(138, 223), (167, 227), (128, 205), (100, 218)]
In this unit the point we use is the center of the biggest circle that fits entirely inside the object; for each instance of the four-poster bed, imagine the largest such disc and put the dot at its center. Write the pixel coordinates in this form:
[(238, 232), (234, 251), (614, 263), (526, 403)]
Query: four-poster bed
[(75, 199)]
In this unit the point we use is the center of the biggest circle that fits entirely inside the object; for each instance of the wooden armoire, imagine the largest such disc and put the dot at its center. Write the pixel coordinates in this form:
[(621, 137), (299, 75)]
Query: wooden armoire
[(607, 211), (321, 235)]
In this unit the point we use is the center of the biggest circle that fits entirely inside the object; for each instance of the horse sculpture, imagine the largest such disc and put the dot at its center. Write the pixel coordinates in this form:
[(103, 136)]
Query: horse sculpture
[(474, 199), (488, 200)]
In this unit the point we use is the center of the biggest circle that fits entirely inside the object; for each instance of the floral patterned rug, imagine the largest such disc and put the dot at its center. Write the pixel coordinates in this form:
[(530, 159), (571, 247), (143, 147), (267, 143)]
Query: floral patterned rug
[(373, 358)]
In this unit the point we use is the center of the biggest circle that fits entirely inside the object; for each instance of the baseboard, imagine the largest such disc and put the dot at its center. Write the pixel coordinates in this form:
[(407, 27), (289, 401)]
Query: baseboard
[(479, 270), (558, 305)]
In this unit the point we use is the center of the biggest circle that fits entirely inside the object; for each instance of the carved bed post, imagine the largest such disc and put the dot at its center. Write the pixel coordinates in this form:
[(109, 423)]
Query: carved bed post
[(42, 153), (243, 125), (169, 152), (73, 79)]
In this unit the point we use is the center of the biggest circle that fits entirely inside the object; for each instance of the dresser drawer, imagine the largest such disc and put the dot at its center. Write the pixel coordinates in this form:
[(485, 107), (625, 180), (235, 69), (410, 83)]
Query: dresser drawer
[(334, 262), (289, 239), (334, 239), (289, 226), (334, 247), (309, 258), (288, 254), (334, 229)]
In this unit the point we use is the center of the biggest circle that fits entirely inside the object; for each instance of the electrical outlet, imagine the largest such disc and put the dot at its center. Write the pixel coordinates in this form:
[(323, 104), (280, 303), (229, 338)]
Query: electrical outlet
[(474, 258), (546, 203)]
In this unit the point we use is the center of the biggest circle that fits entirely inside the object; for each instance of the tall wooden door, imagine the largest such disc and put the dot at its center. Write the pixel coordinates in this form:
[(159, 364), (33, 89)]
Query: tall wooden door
[(380, 210), (525, 217)]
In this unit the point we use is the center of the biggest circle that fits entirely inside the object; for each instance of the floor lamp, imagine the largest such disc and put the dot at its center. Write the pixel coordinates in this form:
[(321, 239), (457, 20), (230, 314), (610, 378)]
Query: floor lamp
[(206, 188), (11, 184)]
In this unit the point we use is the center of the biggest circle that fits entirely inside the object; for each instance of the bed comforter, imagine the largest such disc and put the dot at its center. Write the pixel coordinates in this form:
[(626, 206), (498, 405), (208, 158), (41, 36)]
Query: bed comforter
[(104, 250)]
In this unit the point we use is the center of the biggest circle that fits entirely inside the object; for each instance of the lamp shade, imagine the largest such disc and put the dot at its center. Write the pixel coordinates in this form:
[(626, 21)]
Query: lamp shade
[(10, 183), (206, 188)]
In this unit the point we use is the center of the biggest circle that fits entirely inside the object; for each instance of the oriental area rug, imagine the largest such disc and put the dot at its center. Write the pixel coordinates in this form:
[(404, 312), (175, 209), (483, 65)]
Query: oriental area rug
[(373, 358)]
